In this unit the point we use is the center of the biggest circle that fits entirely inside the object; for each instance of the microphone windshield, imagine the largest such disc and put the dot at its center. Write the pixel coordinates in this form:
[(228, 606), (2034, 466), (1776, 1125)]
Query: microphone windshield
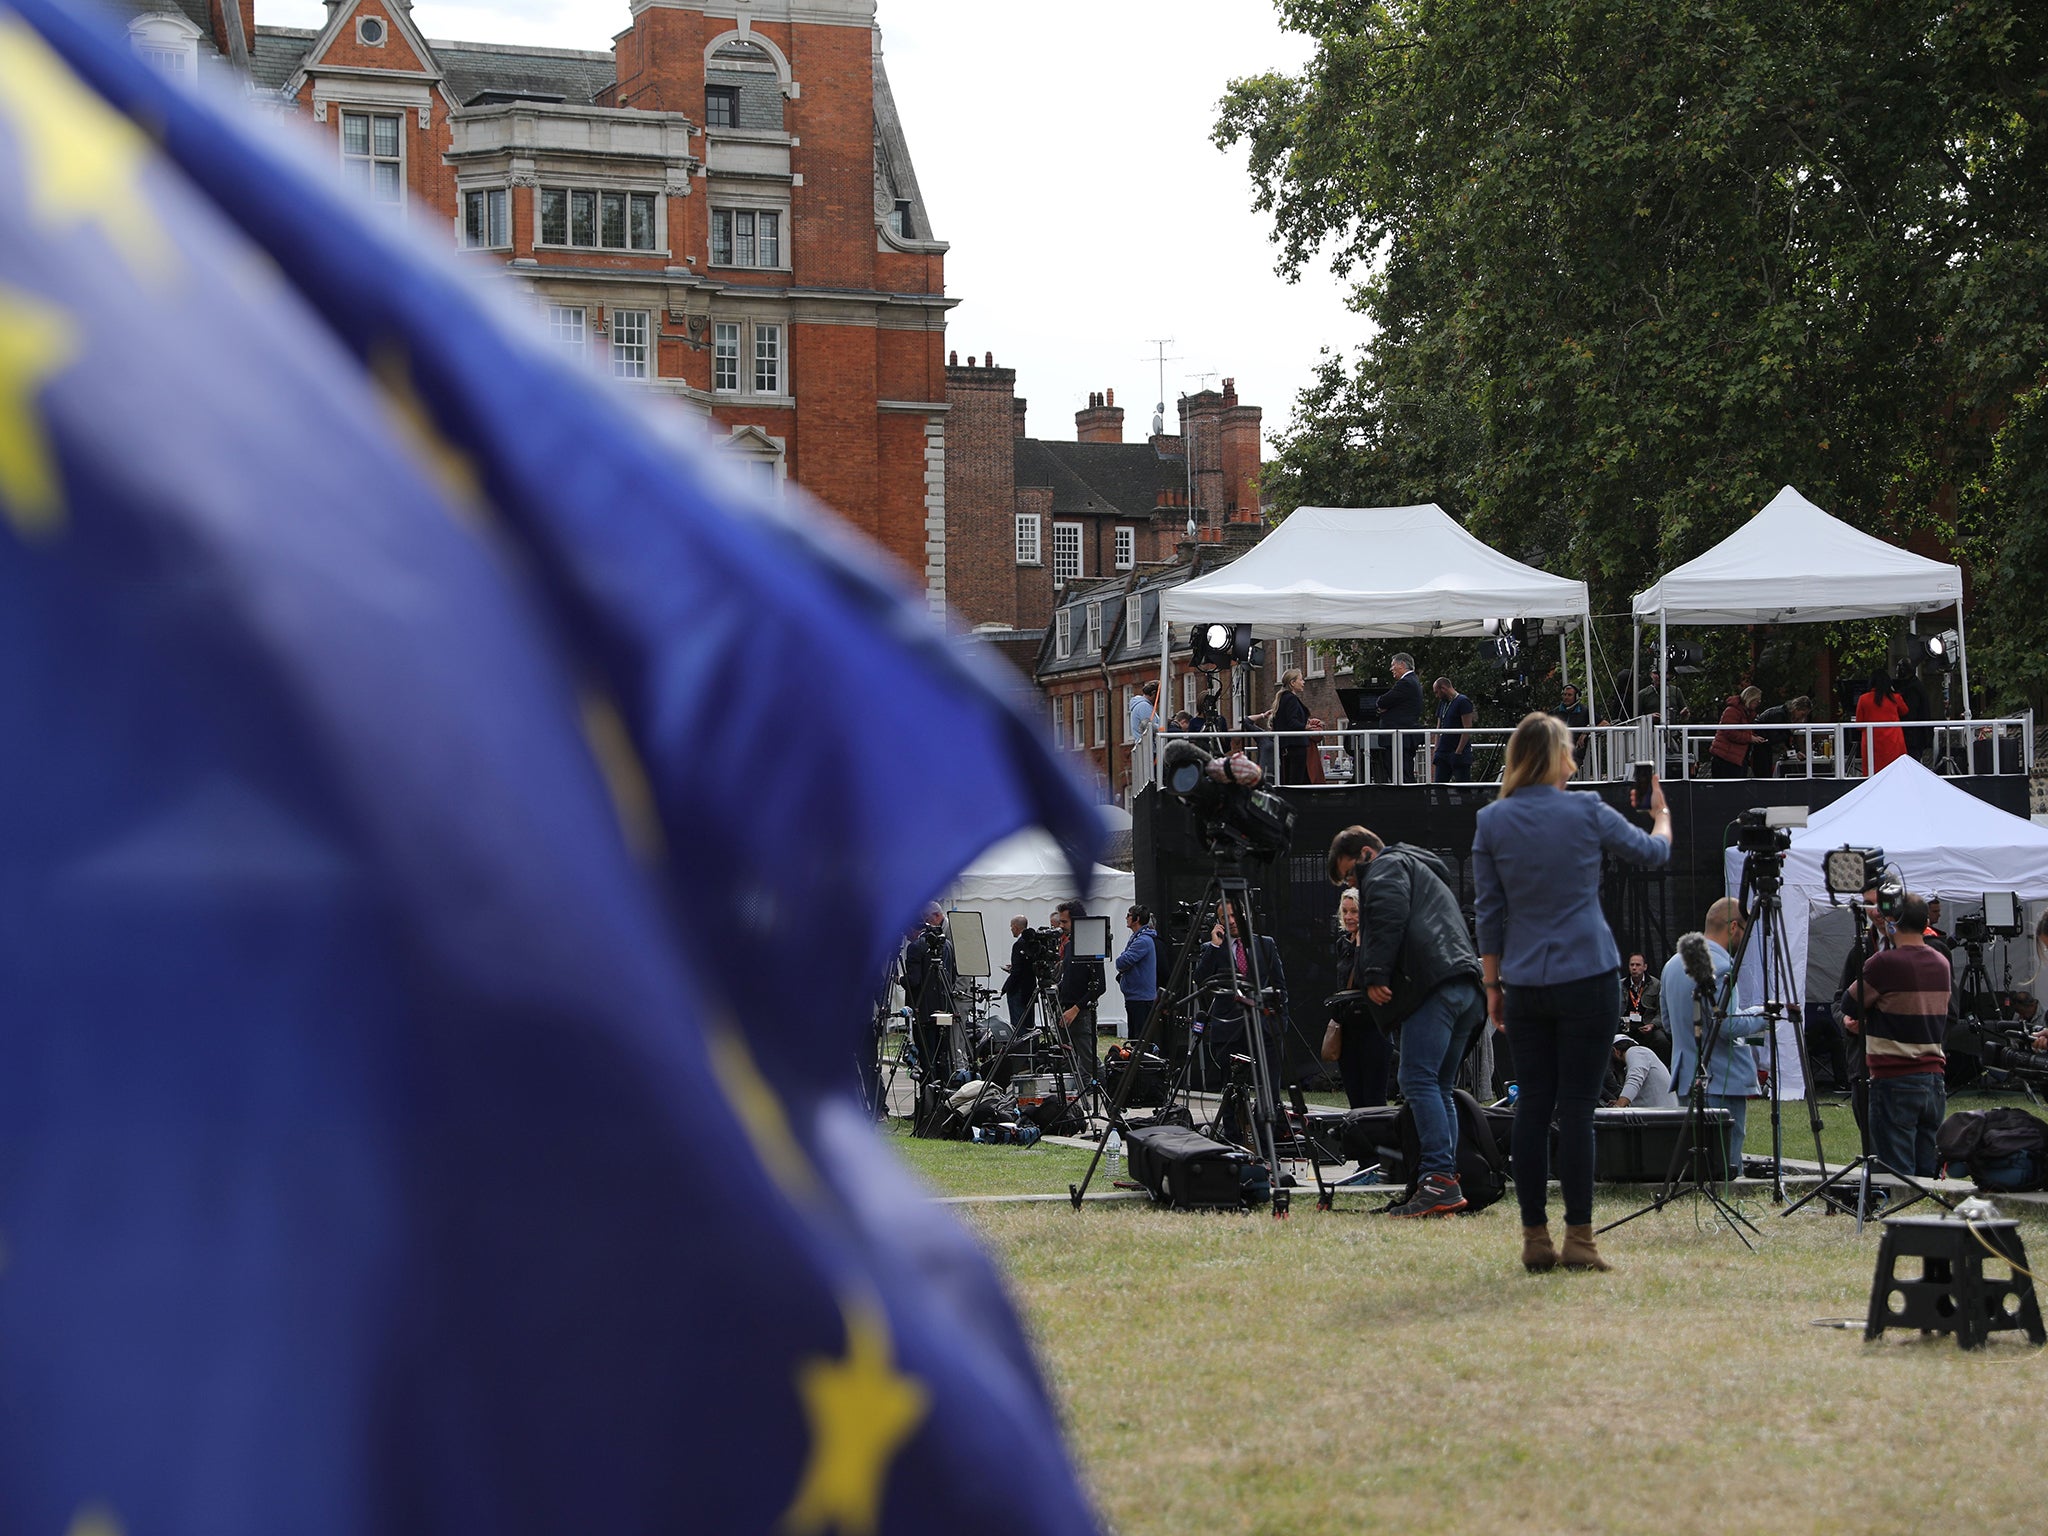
[(1699, 962)]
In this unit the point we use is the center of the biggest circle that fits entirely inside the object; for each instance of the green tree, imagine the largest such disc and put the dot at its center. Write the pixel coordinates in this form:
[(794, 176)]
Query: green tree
[(1634, 264)]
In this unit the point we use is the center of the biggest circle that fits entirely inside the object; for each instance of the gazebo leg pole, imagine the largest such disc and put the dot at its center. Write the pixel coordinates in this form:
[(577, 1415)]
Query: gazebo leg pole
[(1664, 689), (1963, 663)]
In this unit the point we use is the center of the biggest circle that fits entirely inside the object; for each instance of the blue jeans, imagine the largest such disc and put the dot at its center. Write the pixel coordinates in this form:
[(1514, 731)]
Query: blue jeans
[(1434, 1040), (1905, 1114), (1738, 1128), (1562, 1036)]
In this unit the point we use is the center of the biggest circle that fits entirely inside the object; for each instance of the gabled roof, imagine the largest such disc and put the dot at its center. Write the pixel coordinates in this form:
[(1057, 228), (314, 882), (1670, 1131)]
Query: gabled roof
[(1099, 479), (1793, 563)]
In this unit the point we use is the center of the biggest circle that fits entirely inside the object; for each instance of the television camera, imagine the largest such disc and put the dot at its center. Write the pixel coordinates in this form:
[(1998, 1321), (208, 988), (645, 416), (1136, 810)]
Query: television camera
[(1232, 814)]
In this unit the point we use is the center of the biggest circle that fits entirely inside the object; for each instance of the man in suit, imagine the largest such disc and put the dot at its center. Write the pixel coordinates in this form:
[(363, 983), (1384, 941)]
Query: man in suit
[(1398, 709), (1020, 978)]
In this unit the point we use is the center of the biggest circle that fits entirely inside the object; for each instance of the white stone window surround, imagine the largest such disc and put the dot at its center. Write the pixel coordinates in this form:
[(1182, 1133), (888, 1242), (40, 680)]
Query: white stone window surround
[(168, 44), (744, 33), (749, 353), (597, 187)]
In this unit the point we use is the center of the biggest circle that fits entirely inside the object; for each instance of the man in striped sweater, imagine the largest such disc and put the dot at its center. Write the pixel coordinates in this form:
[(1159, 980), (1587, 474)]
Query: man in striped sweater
[(1900, 1007)]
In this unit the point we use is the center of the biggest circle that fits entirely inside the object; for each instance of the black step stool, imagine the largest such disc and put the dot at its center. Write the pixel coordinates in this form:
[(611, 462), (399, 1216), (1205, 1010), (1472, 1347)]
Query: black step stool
[(1951, 1294)]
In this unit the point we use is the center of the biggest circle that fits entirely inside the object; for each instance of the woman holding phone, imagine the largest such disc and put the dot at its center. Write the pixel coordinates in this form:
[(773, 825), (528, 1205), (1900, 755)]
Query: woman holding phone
[(1553, 972)]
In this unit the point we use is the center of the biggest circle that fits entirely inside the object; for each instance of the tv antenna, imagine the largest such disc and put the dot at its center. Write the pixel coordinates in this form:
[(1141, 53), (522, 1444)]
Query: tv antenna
[(1159, 344)]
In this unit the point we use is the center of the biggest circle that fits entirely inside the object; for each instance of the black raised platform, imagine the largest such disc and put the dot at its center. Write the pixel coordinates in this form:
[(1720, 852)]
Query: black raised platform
[(1295, 902)]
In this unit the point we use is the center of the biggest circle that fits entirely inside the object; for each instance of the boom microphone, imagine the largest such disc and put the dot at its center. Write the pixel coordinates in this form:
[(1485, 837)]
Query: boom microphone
[(1699, 964)]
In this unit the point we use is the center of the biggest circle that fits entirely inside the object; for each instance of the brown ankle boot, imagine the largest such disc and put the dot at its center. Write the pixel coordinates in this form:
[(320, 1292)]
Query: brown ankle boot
[(1538, 1251), (1580, 1251)]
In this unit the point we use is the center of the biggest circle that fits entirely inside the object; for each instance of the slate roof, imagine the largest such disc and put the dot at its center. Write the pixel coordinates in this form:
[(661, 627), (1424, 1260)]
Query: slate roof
[(1124, 647), (1099, 479), (276, 53), (548, 74), (545, 73)]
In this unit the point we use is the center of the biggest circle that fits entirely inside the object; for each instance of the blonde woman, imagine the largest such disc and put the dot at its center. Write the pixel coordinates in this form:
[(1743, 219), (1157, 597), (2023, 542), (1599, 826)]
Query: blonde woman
[(1553, 977), (1290, 713)]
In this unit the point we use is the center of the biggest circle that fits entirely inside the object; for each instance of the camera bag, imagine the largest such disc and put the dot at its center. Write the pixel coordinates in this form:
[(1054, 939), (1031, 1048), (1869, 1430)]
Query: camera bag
[(1186, 1170), (1152, 1075)]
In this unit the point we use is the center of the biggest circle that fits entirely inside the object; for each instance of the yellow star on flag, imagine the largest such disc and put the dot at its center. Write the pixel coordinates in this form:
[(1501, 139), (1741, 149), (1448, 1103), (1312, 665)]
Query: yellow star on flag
[(82, 160), (95, 1520), (36, 343), (862, 1411)]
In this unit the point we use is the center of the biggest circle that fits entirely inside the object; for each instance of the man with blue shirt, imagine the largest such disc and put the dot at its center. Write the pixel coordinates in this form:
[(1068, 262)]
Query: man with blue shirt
[(1144, 710), (1731, 1070), (1137, 971), (1455, 716)]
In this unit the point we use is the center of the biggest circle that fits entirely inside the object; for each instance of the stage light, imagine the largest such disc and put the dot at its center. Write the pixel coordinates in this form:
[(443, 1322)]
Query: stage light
[(1221, 645), (1852, 871)]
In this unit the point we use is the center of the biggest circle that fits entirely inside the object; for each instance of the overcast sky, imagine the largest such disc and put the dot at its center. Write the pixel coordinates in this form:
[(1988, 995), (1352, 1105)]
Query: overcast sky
[(1063, 148)]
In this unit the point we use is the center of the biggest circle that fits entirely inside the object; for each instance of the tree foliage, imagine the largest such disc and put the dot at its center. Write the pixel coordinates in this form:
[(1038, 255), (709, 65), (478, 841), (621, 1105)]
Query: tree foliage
[(1635, 264)]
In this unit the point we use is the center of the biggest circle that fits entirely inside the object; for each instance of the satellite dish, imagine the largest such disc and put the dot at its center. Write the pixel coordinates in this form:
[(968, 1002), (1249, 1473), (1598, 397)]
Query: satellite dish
[(1158, 423)]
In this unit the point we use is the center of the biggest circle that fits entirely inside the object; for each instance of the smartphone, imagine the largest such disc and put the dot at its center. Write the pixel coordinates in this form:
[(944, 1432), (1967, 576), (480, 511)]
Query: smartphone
[(1646, 778)]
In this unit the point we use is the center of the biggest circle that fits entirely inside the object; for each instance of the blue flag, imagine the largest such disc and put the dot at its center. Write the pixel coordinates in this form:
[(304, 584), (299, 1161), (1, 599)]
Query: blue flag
[(433, 954)]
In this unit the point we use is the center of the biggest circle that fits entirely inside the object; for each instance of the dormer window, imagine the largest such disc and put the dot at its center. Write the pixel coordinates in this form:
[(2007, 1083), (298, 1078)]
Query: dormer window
[(370, 31), (167, 44), (722, 106)]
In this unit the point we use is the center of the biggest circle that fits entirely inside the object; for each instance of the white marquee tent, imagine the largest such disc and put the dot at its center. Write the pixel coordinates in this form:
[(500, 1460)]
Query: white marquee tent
[(1794, 564), (1945, 841), (1359, 573), (1027, 876)]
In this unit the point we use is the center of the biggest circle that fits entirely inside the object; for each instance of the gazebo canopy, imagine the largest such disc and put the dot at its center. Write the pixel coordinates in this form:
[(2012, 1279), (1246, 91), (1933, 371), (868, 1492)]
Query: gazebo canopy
[(1357, 573), (1794, 564)]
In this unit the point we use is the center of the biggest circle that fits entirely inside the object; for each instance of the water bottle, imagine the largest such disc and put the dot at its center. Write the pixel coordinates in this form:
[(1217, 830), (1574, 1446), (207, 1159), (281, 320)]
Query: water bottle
[(1514, 1092), (1114, 1150)]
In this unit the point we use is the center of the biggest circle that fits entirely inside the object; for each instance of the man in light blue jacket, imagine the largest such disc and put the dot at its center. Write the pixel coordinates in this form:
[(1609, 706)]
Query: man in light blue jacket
[(1731, 1070), (1137, 970)]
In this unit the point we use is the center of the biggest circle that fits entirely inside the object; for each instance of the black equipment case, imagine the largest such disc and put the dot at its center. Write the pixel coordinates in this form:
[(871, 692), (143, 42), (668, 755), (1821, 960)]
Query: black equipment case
[(1635, 1146), (1186, 1170)]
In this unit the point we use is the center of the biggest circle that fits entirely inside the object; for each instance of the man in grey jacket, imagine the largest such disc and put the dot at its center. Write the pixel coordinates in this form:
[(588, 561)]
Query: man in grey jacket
[(1418, 969)]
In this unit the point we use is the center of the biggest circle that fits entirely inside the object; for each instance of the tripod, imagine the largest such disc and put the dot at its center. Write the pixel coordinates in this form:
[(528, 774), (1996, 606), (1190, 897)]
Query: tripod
[(1227, 885), (1761, 901), (1694, 1159), (1864, 1163)]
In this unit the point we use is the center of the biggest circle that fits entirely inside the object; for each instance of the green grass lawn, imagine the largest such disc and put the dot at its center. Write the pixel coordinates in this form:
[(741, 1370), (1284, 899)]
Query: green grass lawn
[(1342, 1372)]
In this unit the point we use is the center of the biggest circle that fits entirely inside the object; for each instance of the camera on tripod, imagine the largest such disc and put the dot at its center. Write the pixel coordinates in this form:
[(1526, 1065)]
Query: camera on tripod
[(1042, 948), (1767, 829), (1232, 814)]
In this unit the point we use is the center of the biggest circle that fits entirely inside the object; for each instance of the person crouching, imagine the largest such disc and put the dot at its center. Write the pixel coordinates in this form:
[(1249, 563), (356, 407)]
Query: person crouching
[(1418, 969)]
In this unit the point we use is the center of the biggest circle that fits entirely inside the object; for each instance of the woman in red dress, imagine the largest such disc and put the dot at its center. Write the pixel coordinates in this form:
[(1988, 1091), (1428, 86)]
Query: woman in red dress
[(1887, 744)]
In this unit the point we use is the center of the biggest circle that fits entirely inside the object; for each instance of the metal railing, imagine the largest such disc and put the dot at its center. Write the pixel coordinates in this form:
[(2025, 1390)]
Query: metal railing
[(1606, 753)]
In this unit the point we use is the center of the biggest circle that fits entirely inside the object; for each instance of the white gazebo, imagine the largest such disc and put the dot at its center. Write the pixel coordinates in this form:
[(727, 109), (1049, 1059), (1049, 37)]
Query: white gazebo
[(1794, 564), (1362, 573), (1945, 841)]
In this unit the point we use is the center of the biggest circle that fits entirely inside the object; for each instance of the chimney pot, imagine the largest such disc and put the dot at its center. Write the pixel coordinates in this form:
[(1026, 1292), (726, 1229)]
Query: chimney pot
[(953, 358), (988, 360), (1109, 397)]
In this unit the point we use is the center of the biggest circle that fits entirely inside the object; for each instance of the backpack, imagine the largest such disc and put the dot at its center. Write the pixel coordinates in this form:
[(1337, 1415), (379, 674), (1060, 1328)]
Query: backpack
[(1482, 1170)]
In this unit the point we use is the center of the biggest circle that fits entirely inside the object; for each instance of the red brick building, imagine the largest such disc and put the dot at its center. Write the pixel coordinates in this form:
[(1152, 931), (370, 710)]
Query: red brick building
[(722, 210), (1027, 517)]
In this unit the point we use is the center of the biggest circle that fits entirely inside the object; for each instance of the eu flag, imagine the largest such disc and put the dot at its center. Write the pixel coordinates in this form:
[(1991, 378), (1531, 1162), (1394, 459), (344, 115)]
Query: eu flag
[(431, 964)]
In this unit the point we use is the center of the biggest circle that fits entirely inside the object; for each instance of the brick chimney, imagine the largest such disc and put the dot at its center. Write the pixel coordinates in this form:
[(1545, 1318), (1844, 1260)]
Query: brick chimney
[(1017, 415), (1241, 453), (1102, 421)]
